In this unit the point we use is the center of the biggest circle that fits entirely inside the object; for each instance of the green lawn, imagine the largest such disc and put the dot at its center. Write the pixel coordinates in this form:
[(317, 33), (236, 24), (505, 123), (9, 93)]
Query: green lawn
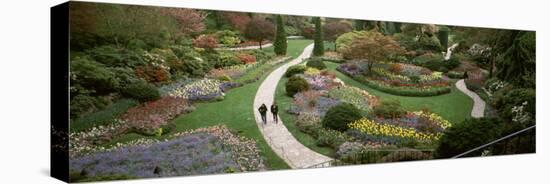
[(455, 106), (236, 112)]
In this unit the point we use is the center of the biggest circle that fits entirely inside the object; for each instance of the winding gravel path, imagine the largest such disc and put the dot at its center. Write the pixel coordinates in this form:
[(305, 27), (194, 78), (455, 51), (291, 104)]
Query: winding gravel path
[(295, 154), (478, 110)]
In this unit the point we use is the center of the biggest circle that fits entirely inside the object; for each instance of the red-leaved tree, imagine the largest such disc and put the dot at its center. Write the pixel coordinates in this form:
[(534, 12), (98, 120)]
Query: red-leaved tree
[(259, 29), (190, 21), (237, 20), (373, 47), (333, 30)]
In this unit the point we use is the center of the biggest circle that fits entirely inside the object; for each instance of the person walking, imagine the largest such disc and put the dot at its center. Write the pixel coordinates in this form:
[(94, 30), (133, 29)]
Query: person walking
[(263, 111), (274, 110)]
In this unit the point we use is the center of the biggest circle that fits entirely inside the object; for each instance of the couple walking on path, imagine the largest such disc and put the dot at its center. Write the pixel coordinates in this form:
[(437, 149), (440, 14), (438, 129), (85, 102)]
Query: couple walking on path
[(274, 110)]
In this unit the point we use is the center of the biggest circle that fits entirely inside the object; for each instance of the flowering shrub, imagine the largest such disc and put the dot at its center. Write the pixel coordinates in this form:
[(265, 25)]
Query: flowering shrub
[(233, 72), (204, 89), (200, 151), (358, 97), (206, 42), (372, 128), (246, 58), (312, 71), (150, 116)]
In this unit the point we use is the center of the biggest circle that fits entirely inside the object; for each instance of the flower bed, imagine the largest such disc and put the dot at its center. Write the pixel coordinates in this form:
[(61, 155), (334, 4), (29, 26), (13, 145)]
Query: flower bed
[(233, 72), (150, 116), (402, 90), (399, 79), (358, 97), (201, 90), (389, 131), (313, 102), (414, 126), (201, 151)]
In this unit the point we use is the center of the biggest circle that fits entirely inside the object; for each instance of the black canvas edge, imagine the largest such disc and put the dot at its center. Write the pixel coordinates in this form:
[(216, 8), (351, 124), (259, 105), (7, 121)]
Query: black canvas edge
[(59, 89)]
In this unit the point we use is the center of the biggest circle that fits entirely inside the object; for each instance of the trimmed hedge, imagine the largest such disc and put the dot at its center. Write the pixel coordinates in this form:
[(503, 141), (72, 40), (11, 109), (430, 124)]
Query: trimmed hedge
[(296, 69), (141, 91), (402, 91), (339, 116), (296, 84), (316, 63), (333, 60)]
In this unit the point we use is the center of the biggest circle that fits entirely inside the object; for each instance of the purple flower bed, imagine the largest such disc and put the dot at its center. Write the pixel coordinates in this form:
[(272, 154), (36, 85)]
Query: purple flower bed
[(226, 86), (318, 106), (352, 68), (193, 154), (319, 82)]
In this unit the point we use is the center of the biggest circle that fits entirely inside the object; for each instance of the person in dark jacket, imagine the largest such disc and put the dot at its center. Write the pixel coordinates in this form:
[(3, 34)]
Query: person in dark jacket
[(275, 110), (263, 111)]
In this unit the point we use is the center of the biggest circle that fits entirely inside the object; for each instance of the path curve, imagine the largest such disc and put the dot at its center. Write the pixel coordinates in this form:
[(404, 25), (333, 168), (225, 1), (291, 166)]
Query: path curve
[(281, 141), (478, 110)]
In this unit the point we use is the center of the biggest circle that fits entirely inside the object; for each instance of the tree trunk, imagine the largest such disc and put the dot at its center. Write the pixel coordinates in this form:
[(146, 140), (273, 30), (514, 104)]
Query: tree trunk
[(261, 44)]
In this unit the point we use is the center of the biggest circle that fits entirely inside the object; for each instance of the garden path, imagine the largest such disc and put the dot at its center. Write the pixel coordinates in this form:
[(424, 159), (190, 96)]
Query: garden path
[(450, 51), (248, 47), (295, 154), (479, 105)]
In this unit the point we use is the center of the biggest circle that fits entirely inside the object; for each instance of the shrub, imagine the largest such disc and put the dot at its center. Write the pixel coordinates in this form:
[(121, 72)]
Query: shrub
[(316, 63), (338, 117), (93, 76), (473, 84), (141, 91), (224, 78), (429, 43), (83, 103), (468, 135), (389, 109), (206, 42), (110, 55), (455, 75), (102, 117), (261, 55), (124, 76), (296, 84), (517, 105), (452, 63), (296, 69), (330, 138), (228, 38), (225, 59), (308, 122), (246, 58)]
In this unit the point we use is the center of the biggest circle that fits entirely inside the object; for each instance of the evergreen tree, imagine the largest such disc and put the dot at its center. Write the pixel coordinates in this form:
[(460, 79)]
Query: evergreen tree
[(359, 25), (318, 49), (280, 37), (443, 36)]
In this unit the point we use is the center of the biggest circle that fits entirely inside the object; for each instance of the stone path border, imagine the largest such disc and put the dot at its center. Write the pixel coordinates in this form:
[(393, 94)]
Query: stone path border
[(281, 141), (479, 105)]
